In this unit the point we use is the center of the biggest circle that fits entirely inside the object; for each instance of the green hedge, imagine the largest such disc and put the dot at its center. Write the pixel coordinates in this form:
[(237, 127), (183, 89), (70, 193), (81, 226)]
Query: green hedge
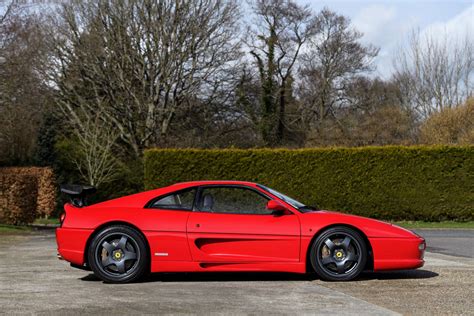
[(393, 182)]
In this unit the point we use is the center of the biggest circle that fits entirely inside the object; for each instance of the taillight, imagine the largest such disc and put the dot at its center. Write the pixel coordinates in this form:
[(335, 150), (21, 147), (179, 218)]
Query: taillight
[(62, 218)]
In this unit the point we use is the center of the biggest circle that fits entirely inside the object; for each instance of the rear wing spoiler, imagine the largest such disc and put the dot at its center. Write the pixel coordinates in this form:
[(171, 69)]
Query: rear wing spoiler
[(78, 193)]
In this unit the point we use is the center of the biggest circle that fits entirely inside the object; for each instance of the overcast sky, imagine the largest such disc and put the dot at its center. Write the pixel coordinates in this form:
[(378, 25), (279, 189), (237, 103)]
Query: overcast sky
[(387, 24)]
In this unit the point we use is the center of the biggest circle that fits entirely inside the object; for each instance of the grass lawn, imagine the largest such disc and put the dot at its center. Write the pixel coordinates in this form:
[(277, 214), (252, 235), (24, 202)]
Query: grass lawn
[(11, 229), (446, 224), (46, 221)]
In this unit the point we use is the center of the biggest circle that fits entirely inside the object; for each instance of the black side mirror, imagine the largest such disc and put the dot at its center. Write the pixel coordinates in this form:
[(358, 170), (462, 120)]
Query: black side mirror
[(278, 213)]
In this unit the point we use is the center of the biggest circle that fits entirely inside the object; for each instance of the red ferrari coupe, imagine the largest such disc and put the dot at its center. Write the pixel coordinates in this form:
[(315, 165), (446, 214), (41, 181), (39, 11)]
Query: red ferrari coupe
[(225, 226)]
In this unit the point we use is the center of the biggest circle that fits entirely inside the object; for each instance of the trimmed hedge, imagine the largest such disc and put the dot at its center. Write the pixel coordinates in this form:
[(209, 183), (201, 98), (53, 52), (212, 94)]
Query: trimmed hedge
[(430, 183), (26, 193), (18, 198)]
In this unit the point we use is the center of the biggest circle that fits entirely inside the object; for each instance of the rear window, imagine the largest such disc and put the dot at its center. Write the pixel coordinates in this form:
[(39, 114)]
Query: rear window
[(182, 200)]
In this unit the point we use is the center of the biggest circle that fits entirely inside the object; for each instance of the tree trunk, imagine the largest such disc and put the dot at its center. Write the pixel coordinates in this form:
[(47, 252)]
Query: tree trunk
[(281, 114)]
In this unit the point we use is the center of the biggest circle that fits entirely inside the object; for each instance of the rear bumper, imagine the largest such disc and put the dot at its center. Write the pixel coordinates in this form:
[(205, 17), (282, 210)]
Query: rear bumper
[(398, 253), (72, 244)]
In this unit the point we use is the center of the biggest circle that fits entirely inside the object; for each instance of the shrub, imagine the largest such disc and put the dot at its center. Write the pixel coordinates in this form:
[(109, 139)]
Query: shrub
[(17, 198), (26, 193), (450, 126), (47, 188), (393, 182)]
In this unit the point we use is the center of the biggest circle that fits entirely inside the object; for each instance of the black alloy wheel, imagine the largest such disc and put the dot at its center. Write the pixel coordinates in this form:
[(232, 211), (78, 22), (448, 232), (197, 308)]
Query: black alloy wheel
[(118, 254), (338, 254)]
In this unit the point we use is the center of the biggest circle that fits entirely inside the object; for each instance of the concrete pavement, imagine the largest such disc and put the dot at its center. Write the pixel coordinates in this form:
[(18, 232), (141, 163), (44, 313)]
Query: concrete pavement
[(32, 280), (454, 242)]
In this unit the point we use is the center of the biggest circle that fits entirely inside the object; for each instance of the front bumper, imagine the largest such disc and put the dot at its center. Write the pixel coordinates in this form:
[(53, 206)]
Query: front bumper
[(398, 253)]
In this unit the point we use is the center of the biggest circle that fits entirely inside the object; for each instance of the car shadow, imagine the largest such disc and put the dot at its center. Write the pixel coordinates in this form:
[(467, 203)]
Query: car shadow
[(397, 274), (217, 277), (268, 276)]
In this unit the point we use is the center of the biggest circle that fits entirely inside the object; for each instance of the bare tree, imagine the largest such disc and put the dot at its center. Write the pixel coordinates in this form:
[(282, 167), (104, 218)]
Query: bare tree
[(10, 9), (333, 59), (23, 95), (280, 30), (93, 156), (139, 62), (435, 72), (373, 116)]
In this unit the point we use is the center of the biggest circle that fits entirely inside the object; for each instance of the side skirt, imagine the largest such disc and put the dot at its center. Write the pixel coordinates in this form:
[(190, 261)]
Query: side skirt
[(190, 266)]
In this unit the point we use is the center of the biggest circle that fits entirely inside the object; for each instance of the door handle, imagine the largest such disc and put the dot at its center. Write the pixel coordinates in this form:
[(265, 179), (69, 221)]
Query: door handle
[(198, 225)]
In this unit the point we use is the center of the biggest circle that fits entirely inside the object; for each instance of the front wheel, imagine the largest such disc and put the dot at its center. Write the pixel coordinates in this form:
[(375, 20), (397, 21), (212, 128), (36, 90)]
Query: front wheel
[(118, 254), (338, 254)]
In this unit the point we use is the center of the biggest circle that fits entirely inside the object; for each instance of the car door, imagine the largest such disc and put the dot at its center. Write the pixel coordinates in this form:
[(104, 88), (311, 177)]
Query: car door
[(232, 224)]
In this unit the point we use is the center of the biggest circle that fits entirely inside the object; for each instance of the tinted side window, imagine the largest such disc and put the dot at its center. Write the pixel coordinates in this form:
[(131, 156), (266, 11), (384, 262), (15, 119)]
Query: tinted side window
[(182, 200), (232, 200)]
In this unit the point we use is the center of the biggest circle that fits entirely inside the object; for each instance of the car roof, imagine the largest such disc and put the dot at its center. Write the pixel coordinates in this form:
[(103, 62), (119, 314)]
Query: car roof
[(211, 182), (140, 199)]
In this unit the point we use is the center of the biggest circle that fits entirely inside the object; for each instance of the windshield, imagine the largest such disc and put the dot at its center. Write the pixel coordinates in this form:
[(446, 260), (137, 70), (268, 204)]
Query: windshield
[(296, 204)]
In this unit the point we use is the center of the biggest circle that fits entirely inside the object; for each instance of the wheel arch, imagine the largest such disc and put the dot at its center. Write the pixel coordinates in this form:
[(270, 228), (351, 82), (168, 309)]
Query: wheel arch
[(113, 223), (370, 259)]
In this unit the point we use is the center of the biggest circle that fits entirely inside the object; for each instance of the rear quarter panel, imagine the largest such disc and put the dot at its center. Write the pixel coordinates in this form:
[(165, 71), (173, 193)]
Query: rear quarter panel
[(164, 230)]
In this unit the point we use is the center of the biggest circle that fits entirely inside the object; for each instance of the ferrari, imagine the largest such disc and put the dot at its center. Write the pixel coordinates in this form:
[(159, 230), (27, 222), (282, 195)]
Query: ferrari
[(225, 226)]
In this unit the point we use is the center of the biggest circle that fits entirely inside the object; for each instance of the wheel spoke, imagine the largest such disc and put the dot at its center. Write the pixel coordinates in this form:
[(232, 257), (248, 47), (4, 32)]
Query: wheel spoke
[(351, 257), (120, 266), (327, 260), (122, 243), (107, 262), (108, 247), (340, 267), (346, 242), (330, 244), (129, 255)]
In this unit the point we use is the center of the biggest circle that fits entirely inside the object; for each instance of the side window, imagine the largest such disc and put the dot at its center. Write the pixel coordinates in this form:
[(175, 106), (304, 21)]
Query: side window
[(233, 200), (182, 200)]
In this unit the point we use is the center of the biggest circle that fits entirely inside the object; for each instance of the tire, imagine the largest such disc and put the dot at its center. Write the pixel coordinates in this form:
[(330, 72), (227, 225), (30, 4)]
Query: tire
[(338, 254), (118, 254)]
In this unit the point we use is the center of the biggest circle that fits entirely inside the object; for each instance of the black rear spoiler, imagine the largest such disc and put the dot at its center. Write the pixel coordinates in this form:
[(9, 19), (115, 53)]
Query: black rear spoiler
[(77, 193)]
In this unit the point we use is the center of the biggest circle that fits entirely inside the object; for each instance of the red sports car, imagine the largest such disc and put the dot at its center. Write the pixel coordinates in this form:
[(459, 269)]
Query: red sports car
[(225, 226)]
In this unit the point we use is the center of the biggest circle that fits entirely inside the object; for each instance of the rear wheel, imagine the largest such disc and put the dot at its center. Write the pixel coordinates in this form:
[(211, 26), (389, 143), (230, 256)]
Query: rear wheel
[(118, 254), (338, 254)]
